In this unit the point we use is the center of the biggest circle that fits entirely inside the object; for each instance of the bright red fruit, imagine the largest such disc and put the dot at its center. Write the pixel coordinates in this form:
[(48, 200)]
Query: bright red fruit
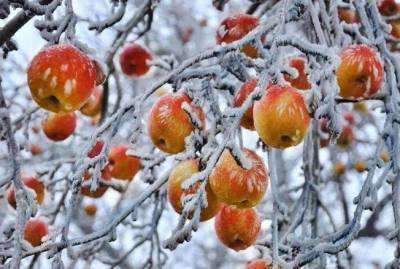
[(388, 7), (105, 175), (258, 264), (61, 78), (237, 228), (35, 230), (121, 165), (245, 90), (96, 149), (301, 81), (134, 60), (29, 182), (58, 127)]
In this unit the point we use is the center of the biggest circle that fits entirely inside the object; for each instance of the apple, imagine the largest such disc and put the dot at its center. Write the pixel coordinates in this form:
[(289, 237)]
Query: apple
[(99, 192), (395, 28), (360, 73), (61, 78), (35, 230), (258, 264), (31, 183), (281, 117), (360, 166), (96, 149), (346, 138), (361, 107), (90, 209), (58, 127), (186, 34), (179, 174), (241, 95), (349, 117), (121, 165), (36, 149), (236, 27), (237, 228), (134, 60), (238, 186), (348, 15), (388, 7), (339, 168), (385, 156), (300, 82), (169, 124), (93, 105)]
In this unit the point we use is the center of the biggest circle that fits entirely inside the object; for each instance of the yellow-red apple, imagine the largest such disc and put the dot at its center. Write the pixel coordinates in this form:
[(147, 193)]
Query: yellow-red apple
[(300, 82), (169, 124), (93, 105), (235, 185), (31, 183), (258, 264), (90, 209), (179, 174), (105, 176), (281, 117), (360, 73)]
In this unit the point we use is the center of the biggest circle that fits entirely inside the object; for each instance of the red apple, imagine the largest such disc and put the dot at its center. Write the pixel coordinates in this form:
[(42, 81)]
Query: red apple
[(179, 174), (235, 185), (105, 176), (29, 182), (346, 138), (58, 127), (169, 124), (281, 117), (348, 15), (36, 149), (236, 27), (61, 78), (35, 230), (301, 81), (360, 73), (245, 90), (237, 228), (258, 264), (90, 209), (388, 7), (96, 149), (121, 165), (134, 60)]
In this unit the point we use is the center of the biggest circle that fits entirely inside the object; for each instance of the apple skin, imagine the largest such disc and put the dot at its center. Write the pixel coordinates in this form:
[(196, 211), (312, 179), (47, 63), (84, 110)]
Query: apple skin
[(346, 138), (339, 168), (301, 82), (58, 127), (235, 185), (90, 210), (245, 90), (96, 149), (349, 117), (281, 117), (236, 27), (258, 264), (360, 73), (348, 15), (29, 182), (179, 174), (169, 124), (36, 149), (35, 230), (61, 78), (105, 175), (121, 165), (93, 105), (237, 228), (388, 7), (134, 60), (385, 156)]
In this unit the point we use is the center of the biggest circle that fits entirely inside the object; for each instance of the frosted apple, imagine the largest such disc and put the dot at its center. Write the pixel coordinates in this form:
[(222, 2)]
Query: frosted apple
[(122, 166), (281, 117), (300, 82), (245, 90), (179, 174), (258, 264), (61, 78), (99, 192), (93, 105), (35, 230), (169, 124), (32, 183), (134, 60), (360, 73), (346, 137), (238, 186), (58, 127), (237, 228)]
